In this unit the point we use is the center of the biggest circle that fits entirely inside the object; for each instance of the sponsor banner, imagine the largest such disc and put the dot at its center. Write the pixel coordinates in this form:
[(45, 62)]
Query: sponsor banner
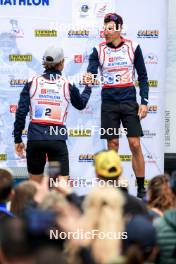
[(17, 82), (13, 108), (83, 33), (79, 133), (101, 8), (17, 57), (151, 83), (149, 133), (86, 157), (78, 58), (45, 33), (151, 58), (148, 33), (126, 157), (23, 40), (3, 156), (152, 109), (24, 3)]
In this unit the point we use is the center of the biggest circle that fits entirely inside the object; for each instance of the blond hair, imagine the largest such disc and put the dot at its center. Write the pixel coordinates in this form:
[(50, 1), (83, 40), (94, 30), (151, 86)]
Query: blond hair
[(52, 199), (102, 212)]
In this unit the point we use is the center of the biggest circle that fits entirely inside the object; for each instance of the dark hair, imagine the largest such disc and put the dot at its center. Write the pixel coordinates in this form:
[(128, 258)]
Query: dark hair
[(6, 184), (113, 17), (135, 254), (14, 243), (23, 196), (50, 66), (50, 254)]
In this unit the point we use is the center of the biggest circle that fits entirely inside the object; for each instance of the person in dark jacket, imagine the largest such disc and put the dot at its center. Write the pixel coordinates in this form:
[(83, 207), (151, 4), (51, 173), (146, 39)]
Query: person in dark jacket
[(47, 97), (6, 193), (118, 58)]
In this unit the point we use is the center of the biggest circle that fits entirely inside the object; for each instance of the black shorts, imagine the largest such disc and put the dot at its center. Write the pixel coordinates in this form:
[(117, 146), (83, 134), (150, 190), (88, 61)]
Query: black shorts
[(113, 114), (55, 150)]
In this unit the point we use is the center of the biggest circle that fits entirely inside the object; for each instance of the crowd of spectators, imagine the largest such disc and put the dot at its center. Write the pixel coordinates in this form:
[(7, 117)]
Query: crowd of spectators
[(44, 225)]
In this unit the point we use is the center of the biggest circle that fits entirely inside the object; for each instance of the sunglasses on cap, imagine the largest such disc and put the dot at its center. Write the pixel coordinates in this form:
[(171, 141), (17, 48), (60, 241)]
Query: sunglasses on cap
[(113, 17)]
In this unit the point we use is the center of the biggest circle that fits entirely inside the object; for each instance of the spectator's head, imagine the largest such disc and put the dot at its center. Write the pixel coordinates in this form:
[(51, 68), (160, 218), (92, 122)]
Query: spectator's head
[(103, 215), (141, 240), (103, 212), (159, 193), (107, 164), (109, 169), (112, 26), (6, 185), (14, 243), (52, 199), (23, 195), (53, 58)]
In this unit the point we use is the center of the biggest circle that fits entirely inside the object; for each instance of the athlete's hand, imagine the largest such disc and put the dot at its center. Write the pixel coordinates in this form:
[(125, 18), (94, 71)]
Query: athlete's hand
[(142, 112), (20, 149), (88, 78)]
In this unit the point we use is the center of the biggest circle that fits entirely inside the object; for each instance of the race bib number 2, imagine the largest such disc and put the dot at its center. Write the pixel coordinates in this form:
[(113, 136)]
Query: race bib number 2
[(44, 112)]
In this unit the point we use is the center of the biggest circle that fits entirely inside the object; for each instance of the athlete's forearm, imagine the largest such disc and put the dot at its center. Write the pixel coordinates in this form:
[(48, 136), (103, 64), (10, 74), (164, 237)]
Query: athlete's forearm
[(22, 110), (93, 62), (79, 101), (142, 75)]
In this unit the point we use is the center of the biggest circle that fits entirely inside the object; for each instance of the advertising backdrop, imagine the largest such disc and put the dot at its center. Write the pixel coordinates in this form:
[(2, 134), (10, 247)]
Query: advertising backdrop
[(30, 26)]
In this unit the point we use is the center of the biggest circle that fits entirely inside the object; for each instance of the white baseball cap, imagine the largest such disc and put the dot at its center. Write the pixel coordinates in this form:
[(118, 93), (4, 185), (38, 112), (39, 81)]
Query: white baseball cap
[(53, 55)]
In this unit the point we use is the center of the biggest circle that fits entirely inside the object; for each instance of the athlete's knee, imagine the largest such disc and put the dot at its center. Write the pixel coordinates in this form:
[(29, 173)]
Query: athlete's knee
[(135, 146), (113, 144)]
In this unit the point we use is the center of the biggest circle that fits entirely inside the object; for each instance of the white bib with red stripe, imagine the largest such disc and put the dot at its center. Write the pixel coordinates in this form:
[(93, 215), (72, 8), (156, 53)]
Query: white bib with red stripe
[(49, 100), (117, 65)]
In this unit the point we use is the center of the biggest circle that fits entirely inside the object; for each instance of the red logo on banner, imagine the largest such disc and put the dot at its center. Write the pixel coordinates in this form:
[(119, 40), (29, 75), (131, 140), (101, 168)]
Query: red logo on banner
[(78, 58), (43, 91), (13, 108), (102, 34)]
